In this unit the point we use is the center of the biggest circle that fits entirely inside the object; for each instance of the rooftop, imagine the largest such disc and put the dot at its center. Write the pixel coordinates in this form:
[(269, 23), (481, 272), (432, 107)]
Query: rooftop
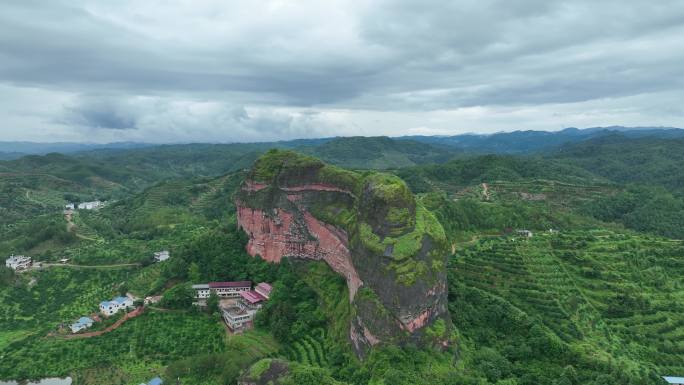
[(674, 380), (215, 285), (83, 321), (252, 296), (200, 286), (234, 311), (265, 286), (116, 301)]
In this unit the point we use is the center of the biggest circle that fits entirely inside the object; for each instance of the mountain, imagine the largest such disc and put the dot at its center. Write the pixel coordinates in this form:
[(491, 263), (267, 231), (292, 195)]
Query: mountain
[(377, 152), (373, 283), (368, 228), (626, 159), (13, 150), (521, 142)]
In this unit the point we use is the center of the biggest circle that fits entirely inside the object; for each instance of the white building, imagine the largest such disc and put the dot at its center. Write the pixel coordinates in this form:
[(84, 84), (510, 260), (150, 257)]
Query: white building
[(238, 319), (525, 233), (18, 262), (109, 308), (82, 323), (222, 289), (70, 206), (674, 380), (240, 315), (161, 256), (94, 205), (202, 290)]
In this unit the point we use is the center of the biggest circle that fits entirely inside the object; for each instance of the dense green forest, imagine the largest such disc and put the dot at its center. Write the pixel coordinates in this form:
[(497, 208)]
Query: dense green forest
[(594, 297)]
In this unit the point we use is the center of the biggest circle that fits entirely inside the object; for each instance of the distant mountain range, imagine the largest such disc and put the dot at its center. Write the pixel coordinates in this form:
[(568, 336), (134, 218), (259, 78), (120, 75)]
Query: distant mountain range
[(516, 142), (14, 150), (521, 142)]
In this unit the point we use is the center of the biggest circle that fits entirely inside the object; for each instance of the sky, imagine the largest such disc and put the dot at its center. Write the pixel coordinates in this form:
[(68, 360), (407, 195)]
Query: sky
[(244, 70)]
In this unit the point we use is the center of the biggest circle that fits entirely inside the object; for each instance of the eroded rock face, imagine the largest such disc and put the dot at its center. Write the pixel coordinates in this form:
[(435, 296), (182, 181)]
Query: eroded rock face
[(367, 228), (280, 234)]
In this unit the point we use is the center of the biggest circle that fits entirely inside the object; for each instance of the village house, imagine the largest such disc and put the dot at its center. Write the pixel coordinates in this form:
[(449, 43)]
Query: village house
[(230, 289), (239, 316), (251, 300), (82, 323), (109, 308), (161, 256), (525, 233), (202, 291), (674, 380), (264, 289), (238, 319), (221, 289), (69, 206), (94, 205), (18, 262), (154, 381), (151, 300)]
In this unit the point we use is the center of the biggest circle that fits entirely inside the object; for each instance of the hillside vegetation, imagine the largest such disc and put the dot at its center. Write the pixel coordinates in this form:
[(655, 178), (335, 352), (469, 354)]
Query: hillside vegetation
[(593, 297)]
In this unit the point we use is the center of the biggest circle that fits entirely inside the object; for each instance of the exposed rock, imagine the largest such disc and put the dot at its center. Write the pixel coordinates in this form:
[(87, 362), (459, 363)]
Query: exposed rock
[(368, 228)]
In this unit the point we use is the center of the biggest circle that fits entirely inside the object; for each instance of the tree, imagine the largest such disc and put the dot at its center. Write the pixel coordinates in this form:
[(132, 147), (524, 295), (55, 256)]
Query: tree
[(212, 303), (194, 273)]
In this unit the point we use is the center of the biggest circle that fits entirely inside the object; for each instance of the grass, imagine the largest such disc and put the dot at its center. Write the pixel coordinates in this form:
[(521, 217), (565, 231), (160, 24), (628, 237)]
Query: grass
[(254, 343)]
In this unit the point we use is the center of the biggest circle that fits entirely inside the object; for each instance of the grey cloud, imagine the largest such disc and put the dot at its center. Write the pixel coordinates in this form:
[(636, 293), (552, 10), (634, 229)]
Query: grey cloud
[(218, 69), (101, 112)]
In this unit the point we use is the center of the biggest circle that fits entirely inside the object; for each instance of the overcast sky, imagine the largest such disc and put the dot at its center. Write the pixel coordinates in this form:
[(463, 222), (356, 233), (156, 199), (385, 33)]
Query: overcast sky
[(226, 70)]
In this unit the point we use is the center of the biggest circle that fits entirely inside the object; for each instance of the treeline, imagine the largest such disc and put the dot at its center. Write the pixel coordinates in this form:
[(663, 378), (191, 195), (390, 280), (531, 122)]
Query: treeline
[(460, 173), (646, 209)]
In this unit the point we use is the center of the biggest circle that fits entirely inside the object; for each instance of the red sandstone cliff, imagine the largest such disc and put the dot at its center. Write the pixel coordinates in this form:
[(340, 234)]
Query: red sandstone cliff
[(394, 297), (275, 236)]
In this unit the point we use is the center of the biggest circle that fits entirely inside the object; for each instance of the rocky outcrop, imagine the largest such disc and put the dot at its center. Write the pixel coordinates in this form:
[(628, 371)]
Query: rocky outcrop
[(277, 235), (368, 228)]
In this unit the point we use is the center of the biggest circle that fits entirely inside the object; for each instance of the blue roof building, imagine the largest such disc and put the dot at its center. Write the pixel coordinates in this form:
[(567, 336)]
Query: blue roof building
[(674, 380), (112, 307), (120, 300), (82, 323), (155, 381)]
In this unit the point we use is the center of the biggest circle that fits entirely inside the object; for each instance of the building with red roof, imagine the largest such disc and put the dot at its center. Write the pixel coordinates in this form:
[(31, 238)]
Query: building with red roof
[(231, 289), (264, 289)]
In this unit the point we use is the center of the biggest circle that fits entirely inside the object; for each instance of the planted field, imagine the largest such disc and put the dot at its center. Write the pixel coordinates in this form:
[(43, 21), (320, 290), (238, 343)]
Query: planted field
[(149, 339), (611, 293), (309, 350)]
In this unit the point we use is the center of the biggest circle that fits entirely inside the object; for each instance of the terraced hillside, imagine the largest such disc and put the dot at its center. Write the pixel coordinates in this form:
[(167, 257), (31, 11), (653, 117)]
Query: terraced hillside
[(310, 350), (605, 298)]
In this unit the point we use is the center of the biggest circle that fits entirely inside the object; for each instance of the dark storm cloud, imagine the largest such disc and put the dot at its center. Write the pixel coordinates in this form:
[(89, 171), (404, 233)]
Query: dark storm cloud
[(101, 112), (185, 62)]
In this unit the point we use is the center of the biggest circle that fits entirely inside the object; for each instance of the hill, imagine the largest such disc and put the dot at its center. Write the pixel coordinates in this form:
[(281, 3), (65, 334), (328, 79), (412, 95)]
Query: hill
[(595, 301), (525, 142), (649, 160), (377, 152)]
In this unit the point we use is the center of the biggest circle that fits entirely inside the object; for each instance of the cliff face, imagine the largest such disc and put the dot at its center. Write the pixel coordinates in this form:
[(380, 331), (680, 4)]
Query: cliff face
[(367, 228)]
